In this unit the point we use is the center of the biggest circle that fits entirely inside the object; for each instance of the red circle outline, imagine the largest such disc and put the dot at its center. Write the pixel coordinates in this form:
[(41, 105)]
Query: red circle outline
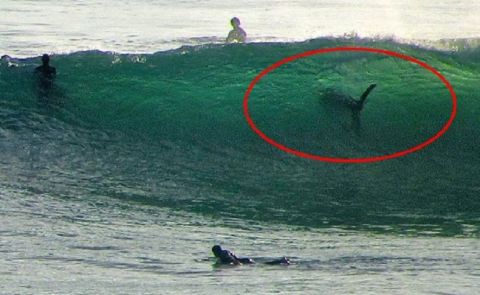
[(349, 160)]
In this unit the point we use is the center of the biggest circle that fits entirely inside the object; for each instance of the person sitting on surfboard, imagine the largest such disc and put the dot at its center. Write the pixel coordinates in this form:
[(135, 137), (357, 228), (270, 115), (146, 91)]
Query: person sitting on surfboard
[(228, 257), (237, 35)]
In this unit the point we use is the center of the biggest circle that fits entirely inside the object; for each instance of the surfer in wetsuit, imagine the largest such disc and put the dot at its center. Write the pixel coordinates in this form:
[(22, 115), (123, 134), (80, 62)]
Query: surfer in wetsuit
[(237, 35), (46, 75), (227, 257), (46, 72)]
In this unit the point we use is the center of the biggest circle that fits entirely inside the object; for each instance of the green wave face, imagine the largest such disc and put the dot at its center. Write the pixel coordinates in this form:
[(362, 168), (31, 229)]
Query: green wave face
[(168, 129)]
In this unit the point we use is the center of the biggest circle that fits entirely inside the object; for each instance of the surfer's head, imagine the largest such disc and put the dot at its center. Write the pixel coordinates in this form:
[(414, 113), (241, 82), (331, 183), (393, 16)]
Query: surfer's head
[(235, 22), (216, 250), (45, 59)]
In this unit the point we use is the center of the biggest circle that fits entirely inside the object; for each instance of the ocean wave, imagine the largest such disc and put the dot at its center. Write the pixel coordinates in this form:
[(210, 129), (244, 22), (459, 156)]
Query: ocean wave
[(167, 129)]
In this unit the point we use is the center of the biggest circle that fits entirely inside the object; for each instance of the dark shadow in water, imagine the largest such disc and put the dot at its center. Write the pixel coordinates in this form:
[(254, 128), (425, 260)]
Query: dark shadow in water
[(346, 103), (50, 98), (356, 125)]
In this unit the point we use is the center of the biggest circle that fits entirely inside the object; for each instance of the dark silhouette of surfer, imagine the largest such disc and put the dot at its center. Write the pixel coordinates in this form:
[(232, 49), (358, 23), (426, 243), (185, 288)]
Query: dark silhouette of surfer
[(237, 35), (46, 76), (227, 257)]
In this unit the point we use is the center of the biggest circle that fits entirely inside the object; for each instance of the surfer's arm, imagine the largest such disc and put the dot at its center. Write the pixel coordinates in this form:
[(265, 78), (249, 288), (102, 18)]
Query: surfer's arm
[(229, 257), (235, 259), (231, 36)]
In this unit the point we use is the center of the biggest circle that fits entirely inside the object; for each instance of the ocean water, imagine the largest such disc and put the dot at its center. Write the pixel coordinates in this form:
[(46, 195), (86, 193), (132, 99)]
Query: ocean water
[(32, 27), (121, 178)]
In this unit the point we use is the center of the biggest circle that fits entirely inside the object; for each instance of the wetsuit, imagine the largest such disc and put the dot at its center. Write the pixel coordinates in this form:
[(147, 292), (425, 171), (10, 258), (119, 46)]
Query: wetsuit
[(47, 75), (227, 257)]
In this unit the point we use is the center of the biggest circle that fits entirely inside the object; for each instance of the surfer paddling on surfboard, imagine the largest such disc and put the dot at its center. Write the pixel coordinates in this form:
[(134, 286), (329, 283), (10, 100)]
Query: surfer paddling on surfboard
[(225, 256)]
